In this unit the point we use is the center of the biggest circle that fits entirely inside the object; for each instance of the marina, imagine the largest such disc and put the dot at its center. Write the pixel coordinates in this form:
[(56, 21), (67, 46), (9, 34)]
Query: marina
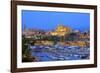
[(59, 53)]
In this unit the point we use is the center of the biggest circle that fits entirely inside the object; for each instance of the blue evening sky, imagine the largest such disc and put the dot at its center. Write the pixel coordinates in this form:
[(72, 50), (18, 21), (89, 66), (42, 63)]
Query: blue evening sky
[(45, 20)]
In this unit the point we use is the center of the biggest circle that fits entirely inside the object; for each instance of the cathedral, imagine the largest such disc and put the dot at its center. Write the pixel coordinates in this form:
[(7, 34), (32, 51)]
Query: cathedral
[(61, 30)]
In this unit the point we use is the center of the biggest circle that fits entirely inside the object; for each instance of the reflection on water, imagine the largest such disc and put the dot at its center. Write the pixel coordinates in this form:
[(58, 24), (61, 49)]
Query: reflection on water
[(60, 53)]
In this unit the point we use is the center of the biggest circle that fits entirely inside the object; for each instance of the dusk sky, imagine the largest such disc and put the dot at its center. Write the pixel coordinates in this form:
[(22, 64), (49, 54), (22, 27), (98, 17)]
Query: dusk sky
[(45, 20)]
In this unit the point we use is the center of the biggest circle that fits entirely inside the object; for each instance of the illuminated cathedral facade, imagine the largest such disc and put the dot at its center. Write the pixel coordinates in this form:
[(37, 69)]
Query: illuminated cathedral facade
[(61, 31)]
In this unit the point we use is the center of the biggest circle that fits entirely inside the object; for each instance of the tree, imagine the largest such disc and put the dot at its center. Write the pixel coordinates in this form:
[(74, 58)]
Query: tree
[(25, 49), (71, 37)]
